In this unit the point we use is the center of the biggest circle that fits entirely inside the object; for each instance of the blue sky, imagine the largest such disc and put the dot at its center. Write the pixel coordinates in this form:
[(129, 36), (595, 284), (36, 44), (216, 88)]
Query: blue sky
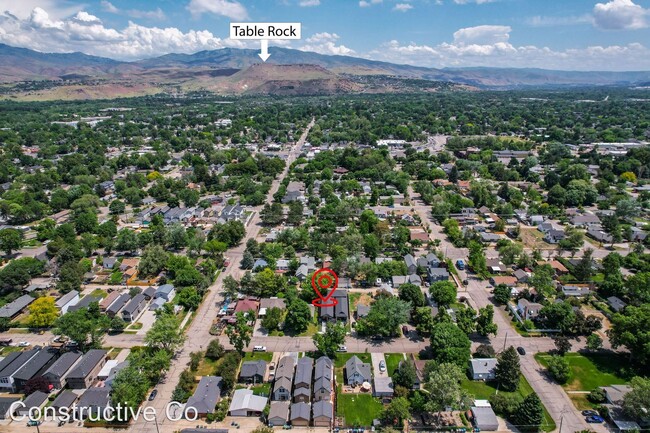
[(552, 34)]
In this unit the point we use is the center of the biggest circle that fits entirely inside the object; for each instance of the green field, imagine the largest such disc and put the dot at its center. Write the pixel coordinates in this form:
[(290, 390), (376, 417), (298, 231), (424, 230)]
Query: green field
[(590, 371), (358, 409), (392, 362), (263, 389), (256, 356), (483, 390)]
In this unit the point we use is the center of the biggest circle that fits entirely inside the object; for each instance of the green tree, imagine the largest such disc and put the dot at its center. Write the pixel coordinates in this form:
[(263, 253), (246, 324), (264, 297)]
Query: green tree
[(502, 294), (298, 316), (625, 332), (443, 292), (86, 326), (10, 240), (271, 320), (272, 214), (126, 240), (450, 345), (215, 350), (485, 321), (477, 260), (398, 410), (42, 312), (558, 315), (189, 298), (412, 294), (466, 319), (117, 207), (562, 344), (530, 414), (594, 342), (165, 334), (241, 332), (405, 375), (558, 368), (444, 389), (637, 401), (384, 318), (508, 370), (117, 324), (328, 342), (153, 261)]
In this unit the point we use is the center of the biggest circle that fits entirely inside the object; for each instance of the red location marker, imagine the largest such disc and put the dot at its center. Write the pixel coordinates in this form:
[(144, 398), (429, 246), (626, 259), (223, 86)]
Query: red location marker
[(324, 279)]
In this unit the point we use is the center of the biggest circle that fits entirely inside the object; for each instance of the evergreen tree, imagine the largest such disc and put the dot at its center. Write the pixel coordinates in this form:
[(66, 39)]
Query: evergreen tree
[(530, 414), (508, 369)]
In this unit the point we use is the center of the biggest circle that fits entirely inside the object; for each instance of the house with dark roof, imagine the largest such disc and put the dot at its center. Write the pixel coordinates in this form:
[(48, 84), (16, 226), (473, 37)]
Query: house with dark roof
[(133, 309), (252, 371), (357, 372), (14, 308), (85, 371), (35, 400), (284, 373), (437, 274), (616, 304), (149, 293), (323, 379), (341, 311), (303, 375), (85, 302), (10, 365), (362, 311), (483, 368), (65, 399), (528, 310), (118, 304), (6, 404), (34, 367), (411, 264), (323, 413), (108, 300), (66, 301), (93, 402), (206, 396), (57, 372), (300, 414)]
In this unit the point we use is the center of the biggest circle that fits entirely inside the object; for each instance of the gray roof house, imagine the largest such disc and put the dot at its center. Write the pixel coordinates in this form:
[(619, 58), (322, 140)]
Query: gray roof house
[(300, 414), (56, 374), (616, 304), (118, 304), (37, 364), (357, 372), (34, 400), (93, 401), (484, 418), (279, 413), (86, 370), (149, 292), (304, 369), (245, 403), (483, 368), (15, 307), (341, 311), (252, 371), (5, 405), (11, 364), (323, 413), (66, 301), (133, 309), (437, 274), (166, 291), (85, 302), (411, 264), (382, 386), (64, 399), (206, 396)]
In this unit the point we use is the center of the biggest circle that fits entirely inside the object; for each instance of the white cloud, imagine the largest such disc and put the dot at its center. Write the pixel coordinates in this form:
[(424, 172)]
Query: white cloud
[(109, 7), (402, 7), (483, 35), (229, 9), (620, 15), (86, 33), (325, 43), (156, 14), (556, 21), (478, 2), (23, 8), (368, 3), (309, 3), (490, 46)]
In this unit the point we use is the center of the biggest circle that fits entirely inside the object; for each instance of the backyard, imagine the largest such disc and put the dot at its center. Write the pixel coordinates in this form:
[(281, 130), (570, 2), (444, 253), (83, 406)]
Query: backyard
[(358, 409)]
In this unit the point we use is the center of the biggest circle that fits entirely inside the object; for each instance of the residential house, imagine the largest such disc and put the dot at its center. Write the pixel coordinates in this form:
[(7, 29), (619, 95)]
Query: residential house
[(437, 274), (506, 280), (341, 311), (11, 363), (245, 403), (150, 292), (108, 300), (300, 414), (279, 413), (495, 266), (521, 276), (323, 379), (36, 365), (284, 373), (488, 238), (323, 414), (93, 402), (35, 400), (357, 372), (129, 263), (64, 401), (246, 305), (57, 372), (109, 262), (554, 236), (614, 394), (85, 371), (118, 304), (252, 371), (14, 308), (411, 264), (637, 234), (362, 311), (484, 418), (616, 304), (382, 387), (483, 368), (600, 236), (66, 301), (166, 291), (205, 397), (585, 221), (528, 310), (267, 303), (85, 302), (575, 291), (133, 309), (302, 379), (6, 404)]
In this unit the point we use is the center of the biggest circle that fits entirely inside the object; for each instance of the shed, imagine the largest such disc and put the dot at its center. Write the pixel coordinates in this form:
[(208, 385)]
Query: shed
[(484, 418)]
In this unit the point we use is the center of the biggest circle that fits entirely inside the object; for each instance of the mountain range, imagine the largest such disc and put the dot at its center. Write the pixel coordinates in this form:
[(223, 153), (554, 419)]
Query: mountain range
[(36, 75)]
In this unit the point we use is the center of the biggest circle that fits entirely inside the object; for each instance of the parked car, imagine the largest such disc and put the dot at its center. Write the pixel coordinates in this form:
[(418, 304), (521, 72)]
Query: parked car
[(590, 413), (595, 419), (382, 366), (521, 350), (259, 349), (23, 344), (342, 349), (153, 394)]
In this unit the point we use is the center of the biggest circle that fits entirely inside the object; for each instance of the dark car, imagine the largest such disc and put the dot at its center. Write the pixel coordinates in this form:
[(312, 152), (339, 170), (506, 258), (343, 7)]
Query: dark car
[(521, 350), (153, 394), (595, 419), (589, 413)]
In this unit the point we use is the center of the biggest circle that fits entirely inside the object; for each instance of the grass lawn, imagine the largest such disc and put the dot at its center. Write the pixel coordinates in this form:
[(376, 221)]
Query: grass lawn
[(392, 361), (256, 356), (312, 329), (207, 367), (590, 371), (8, 349), (99, 293), (342, 358), (358, 409), (483, 390), (263, 389)]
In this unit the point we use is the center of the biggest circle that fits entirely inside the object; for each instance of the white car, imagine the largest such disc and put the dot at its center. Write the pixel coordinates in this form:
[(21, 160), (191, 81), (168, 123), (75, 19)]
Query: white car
[(23, 344), (259, 349), (382, 366), (342, 349)]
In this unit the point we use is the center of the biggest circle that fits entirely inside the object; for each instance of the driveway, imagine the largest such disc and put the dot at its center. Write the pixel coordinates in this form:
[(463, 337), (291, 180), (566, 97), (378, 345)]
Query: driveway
[(376, 359), (148, 318)]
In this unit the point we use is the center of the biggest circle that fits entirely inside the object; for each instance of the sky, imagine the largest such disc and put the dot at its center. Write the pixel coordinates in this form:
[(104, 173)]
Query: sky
[(549, 34)]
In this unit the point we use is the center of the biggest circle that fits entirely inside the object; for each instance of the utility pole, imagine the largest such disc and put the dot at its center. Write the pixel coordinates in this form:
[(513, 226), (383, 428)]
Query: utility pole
[(561, 421), (505, 341)]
